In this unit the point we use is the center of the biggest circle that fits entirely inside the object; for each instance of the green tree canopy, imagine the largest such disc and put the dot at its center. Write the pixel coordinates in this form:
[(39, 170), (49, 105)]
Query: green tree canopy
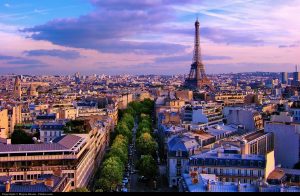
[(147, 166), (21, 137), (146, 145), (112, 173), (123, 129)]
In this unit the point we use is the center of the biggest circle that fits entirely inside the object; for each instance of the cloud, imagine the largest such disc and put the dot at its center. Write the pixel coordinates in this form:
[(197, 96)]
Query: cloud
[(63, 54), (111, 27), (188, 57), (288, 46), (22, 63)]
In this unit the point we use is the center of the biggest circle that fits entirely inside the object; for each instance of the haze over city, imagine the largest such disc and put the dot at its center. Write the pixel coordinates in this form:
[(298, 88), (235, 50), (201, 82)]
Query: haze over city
[(147, 37)]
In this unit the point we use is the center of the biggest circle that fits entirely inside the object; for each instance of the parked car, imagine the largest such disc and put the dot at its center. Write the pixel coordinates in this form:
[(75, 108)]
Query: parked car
[(125, 180), (143, 179)]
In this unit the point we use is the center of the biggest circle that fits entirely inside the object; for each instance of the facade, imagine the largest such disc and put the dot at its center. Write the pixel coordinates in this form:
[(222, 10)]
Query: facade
[(229, 165), (4, 126), (247, 117), (203, 114), (286, 141), (231, 98), (50, 131), (258, 143)]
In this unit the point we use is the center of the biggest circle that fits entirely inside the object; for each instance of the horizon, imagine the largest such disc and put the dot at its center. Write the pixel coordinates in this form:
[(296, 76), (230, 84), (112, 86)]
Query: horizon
[(147, 38)]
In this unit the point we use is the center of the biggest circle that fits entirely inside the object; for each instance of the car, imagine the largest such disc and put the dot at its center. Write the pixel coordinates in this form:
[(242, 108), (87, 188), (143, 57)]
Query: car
[(125, 180), (143, 179), (124, 189)]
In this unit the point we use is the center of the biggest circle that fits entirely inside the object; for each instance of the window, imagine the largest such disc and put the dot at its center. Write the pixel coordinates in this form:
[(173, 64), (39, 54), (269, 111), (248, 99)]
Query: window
[(221, 171), (239, 172), (251, 172)]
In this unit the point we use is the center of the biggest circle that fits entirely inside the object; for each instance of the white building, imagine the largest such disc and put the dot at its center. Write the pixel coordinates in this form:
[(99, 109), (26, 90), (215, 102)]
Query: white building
[(286, 139)]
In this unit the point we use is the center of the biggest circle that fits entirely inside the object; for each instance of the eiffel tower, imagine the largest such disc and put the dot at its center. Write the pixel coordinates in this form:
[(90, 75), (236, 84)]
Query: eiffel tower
[(197, 78)]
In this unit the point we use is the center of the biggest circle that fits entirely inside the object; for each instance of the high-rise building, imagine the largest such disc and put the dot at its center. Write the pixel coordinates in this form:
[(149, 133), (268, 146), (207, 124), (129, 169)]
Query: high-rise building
[(197, 78), (296, 77), (284, 77), (17, 88)]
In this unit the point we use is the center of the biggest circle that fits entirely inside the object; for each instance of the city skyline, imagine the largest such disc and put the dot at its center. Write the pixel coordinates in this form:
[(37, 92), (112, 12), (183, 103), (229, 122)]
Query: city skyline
[(150, 37)]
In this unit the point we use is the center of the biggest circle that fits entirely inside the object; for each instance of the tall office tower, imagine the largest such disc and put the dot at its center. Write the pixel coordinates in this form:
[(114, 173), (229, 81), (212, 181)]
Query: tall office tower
[(296, 76), (284, 77), (17, 88), (197, 78)]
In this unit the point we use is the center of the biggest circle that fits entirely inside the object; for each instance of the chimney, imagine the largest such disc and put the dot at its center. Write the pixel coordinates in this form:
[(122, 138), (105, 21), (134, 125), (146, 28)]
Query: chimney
[(7, 187), (49, 182)]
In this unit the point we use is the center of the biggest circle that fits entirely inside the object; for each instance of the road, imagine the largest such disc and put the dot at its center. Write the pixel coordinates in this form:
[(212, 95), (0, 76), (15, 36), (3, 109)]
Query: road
[(134, 185)]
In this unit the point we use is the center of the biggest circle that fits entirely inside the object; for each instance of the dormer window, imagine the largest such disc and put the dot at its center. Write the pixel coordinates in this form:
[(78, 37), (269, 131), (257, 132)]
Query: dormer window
[(179, 153)]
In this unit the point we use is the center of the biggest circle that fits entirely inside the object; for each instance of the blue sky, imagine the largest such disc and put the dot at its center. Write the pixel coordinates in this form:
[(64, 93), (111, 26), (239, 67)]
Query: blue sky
[(149, 36)]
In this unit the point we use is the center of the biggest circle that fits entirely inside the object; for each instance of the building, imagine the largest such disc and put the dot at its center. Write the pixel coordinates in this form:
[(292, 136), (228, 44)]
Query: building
[(284, 77), (257, 142), (4, 126), (185, 95), (229, 165), (50, 131), (295, 111), (17, 88), (43, 184), (230, 98), (296, 78), (76, 155), (208, 114), (286, 139), (195, 182), (248, 117)]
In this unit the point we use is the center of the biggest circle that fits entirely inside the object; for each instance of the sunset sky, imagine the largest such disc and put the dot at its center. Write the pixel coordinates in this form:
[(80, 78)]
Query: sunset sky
[(147, 37)]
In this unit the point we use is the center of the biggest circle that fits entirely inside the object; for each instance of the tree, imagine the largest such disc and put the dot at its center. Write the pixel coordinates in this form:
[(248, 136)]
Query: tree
[(81, 189), (21, 137), (119, 148), (123, 129), (112, 173), (146, 145), (129, 120), (147, 166)]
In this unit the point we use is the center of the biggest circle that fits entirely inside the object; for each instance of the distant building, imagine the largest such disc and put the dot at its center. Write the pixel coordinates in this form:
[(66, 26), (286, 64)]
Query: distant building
[(17, 88), (284, 77)]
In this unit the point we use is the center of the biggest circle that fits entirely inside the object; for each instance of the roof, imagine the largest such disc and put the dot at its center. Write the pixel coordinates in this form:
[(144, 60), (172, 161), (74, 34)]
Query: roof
[(11, 148), (276, 174), (254, 135), (182, 143), (68, 141), (64, 143), (37, 188)]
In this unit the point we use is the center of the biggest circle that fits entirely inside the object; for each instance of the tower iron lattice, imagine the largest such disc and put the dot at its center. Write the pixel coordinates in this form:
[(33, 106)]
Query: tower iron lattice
[(197, 78)]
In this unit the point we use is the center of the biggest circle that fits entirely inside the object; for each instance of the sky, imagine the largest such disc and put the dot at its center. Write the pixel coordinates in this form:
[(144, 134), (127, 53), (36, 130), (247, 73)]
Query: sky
[(147, 37)]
